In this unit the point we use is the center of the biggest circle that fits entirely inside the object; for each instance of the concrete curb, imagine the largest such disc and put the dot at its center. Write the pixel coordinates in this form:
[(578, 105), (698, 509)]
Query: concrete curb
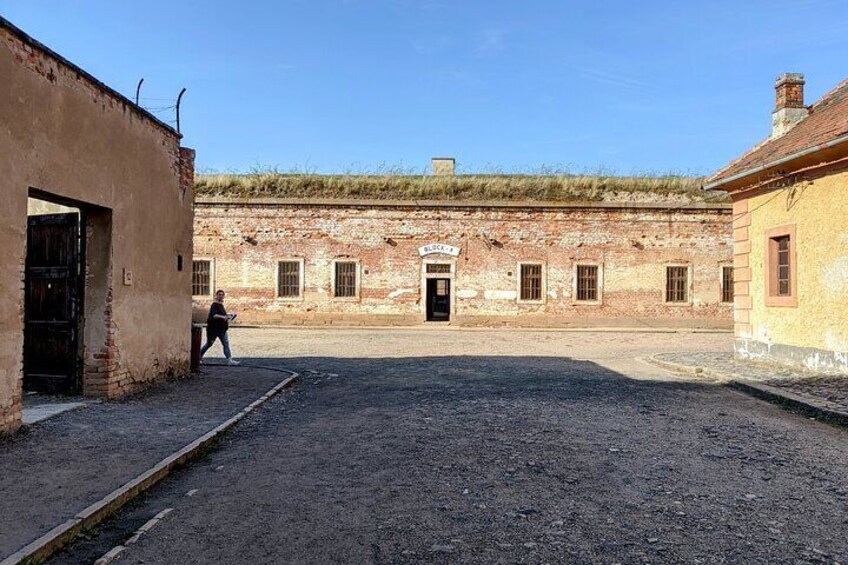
[(791, 401), (42, 548), (781, 397), (687, 370)]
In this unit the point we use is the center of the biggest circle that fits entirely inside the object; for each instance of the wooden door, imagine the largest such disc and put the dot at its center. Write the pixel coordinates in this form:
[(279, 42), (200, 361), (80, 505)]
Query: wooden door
[(51, 304)]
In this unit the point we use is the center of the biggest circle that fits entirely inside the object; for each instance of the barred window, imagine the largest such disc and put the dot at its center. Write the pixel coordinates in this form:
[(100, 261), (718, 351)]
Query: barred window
[(438, 268), (201, 277), (587, 283), (345, 279), (288, 279), (677, 284), (531, 282), (727, 284), (780, 249)]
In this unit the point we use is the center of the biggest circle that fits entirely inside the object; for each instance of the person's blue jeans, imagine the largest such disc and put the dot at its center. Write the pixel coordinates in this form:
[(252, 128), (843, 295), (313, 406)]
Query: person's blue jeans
[(225, 342)]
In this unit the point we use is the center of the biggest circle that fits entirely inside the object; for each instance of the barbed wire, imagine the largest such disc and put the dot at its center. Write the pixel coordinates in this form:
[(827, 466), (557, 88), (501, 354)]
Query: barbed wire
[(155, 109)]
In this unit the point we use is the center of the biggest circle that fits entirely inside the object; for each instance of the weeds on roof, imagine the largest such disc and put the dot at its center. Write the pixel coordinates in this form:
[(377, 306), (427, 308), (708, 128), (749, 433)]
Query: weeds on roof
[(546, 186)]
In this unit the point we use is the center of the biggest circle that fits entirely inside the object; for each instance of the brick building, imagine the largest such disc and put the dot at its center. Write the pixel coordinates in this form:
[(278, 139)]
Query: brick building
[(96, 229), (650, 261), (791, 232)]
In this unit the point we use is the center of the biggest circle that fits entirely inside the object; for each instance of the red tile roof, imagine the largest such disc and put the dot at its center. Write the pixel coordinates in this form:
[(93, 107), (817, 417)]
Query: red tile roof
[(828, 120)]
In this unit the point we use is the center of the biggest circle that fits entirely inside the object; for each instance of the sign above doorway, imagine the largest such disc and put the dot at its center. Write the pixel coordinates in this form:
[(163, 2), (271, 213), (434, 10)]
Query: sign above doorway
[(432, 248)]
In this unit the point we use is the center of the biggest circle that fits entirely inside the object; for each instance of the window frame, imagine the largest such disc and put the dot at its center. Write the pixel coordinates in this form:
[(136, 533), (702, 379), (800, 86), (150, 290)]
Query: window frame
[(689, 284), (722, 288), (599, 283), (543, 282), (301, 282), (773, 299), (357, 280), (211, 262), (438, 264)]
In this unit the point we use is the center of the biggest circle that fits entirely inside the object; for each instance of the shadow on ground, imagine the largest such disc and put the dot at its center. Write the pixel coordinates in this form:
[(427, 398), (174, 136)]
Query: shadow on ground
[(500, 459)]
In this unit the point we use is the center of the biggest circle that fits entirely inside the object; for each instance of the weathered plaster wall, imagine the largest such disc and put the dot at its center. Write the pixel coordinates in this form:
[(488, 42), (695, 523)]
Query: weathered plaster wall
[(815, 332), (246, 240), (62, 134)]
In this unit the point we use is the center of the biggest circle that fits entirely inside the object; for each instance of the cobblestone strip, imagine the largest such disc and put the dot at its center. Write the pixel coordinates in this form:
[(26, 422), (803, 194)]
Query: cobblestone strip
[(801, 404), (55, 539)]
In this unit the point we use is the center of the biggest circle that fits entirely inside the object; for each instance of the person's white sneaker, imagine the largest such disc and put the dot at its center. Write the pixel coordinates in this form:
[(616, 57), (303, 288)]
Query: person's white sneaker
[(233, 362)]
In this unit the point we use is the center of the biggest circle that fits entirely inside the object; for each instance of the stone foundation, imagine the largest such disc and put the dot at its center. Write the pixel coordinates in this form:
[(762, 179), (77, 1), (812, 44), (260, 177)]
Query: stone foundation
[(809, 358)]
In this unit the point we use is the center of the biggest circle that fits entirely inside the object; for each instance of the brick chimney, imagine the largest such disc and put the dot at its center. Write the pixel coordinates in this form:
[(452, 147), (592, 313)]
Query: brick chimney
[(443, 166), (789, 109)]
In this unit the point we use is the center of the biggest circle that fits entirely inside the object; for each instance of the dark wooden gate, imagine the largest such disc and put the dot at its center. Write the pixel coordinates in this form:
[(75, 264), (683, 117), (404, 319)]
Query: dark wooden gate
[(52, 304)]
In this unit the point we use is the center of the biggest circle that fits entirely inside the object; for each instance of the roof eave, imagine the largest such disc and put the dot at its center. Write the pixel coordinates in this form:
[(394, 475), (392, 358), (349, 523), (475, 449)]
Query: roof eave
[(721, 182)]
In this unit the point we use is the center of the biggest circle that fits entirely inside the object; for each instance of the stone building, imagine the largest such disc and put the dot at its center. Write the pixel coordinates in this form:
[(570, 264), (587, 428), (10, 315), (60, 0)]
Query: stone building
[(96, 229), (790, 229), (649, 260)]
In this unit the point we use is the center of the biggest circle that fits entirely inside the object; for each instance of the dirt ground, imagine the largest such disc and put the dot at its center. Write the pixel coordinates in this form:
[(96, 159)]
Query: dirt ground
[(612, 349), (434, 446), (51, 471)]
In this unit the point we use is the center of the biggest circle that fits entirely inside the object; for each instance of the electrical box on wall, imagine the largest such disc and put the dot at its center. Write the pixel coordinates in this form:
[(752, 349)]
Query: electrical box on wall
[(128, 277)]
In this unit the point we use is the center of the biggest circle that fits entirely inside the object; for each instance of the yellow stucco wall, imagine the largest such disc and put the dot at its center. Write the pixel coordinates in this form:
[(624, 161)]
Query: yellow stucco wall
[(819, 210)]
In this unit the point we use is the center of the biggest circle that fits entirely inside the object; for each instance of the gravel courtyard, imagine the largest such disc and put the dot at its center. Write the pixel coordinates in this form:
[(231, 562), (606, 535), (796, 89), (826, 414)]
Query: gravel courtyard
[(449, 446)]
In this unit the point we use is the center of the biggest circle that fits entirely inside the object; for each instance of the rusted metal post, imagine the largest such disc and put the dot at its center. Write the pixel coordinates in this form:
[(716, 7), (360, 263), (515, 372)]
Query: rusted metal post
[(138, 91), (179, 99)]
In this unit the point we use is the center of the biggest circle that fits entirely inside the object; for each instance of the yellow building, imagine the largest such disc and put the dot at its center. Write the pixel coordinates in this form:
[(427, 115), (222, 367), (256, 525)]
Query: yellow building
[(790, 231)]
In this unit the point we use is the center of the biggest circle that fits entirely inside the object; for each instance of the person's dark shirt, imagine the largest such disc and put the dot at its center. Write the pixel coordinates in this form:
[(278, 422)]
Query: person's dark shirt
[(217, 326)]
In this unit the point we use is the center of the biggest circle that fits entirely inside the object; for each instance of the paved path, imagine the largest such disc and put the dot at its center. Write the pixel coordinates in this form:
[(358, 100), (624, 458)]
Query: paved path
[(56, 468), (464, 447)]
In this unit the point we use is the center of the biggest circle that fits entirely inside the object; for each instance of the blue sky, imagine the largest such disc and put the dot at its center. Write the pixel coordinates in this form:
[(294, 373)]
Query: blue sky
[(354, 85)]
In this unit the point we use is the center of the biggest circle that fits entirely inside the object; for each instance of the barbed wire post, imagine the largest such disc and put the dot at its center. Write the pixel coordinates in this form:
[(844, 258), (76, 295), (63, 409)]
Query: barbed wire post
[(138, 91), (179, 99)]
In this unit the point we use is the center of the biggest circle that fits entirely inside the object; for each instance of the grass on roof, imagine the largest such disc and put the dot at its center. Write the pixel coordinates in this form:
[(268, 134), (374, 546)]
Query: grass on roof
[(531, 187)]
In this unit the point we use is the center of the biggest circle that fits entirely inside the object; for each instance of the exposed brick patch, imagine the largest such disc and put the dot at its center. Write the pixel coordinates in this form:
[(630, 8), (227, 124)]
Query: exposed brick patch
[(10, 414), (186, 171), (246, 240)]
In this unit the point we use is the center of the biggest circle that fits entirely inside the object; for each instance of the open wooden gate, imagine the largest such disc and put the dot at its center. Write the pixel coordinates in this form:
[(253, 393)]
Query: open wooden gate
[(52, 304)]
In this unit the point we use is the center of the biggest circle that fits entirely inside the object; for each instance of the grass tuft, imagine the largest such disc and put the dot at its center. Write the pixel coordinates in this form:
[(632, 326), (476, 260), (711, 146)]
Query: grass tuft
[(402, 185)]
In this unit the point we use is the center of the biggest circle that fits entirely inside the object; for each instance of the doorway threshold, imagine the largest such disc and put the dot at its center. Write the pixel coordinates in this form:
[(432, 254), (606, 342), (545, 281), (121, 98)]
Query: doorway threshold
[(38, 408)]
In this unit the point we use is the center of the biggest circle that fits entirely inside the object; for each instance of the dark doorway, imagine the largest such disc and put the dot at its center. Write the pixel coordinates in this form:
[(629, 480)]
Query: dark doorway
[(438, 300), (52, 304)]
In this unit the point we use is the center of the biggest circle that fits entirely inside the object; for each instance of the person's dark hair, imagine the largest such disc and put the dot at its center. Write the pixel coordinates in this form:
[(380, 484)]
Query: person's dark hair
[(219, 290)]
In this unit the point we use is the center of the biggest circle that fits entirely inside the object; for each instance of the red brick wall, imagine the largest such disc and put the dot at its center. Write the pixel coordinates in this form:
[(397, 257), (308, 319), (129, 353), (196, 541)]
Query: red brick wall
[(790, 95), (246, 239)]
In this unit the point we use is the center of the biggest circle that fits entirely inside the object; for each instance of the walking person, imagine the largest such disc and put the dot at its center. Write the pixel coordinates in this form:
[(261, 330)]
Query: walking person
[(217, 325)]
